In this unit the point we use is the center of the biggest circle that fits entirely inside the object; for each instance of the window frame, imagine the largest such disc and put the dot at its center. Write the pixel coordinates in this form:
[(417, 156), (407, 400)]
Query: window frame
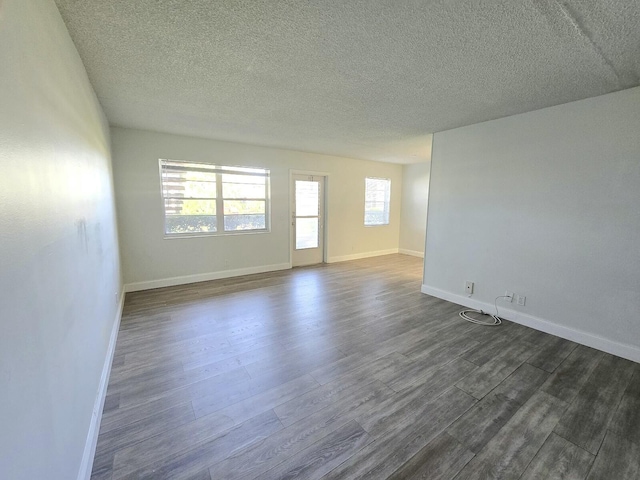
[(387, 203), (219, 171)]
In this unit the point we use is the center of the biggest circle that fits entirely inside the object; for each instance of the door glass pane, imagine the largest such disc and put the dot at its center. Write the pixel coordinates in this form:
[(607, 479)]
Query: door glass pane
[(306, 233), (307, 198)]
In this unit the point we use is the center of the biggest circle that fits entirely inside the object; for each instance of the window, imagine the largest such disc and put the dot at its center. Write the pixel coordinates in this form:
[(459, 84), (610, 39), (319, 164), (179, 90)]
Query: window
[(204, 199), (377, 194)]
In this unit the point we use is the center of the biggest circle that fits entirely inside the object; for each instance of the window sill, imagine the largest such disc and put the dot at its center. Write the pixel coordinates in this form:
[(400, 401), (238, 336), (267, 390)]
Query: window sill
[(216, 234)]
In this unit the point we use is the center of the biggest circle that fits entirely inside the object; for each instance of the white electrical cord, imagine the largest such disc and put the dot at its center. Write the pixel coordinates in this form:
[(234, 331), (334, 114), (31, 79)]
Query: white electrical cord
[(496, 319)]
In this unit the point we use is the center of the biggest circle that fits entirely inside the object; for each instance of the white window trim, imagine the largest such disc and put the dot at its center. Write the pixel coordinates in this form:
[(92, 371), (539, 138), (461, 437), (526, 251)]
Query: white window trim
[(387, 203), (220, 232)]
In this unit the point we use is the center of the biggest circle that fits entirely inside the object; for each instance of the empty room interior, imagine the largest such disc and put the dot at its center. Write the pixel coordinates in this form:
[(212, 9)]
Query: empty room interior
[(264, 239)]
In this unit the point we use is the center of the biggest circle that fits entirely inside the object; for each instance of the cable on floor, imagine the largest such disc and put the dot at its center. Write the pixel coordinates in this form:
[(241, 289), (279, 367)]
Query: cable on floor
[(495, 319)]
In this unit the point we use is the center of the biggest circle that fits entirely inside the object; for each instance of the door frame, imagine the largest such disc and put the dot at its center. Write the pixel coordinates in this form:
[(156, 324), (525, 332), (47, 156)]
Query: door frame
[(325, 224)]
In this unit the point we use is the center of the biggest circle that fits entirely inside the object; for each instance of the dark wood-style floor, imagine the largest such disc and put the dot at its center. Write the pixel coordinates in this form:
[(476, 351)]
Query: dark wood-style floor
[(347, 371)]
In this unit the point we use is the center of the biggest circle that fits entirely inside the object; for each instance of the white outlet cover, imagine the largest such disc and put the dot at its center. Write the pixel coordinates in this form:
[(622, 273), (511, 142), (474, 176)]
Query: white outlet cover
[(522, 300)]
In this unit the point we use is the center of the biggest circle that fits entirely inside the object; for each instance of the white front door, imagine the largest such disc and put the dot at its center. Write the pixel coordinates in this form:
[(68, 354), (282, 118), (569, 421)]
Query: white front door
[(308, 219)]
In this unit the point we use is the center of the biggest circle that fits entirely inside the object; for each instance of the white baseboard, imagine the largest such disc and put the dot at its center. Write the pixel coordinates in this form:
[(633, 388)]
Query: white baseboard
[(358, 256), (623, 350), (94, 427), (413, 253), (203, 277)]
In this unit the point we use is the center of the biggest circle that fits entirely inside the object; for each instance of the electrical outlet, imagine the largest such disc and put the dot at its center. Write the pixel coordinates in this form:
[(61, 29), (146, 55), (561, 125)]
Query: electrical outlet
[(468, 288), (508, 296), (522, 300)]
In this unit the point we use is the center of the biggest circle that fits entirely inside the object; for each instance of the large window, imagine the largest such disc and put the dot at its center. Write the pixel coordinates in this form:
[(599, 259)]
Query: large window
[(204, 199), (377, 194)]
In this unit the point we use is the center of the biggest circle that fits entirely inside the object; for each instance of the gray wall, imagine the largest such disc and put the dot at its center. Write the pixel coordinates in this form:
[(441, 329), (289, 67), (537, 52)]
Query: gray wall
[(545, 204), (150, 260), (413, 220), (58, 245)]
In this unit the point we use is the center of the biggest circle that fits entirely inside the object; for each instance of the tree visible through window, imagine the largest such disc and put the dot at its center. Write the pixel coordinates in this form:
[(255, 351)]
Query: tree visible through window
[(200, 198), (376, 201)]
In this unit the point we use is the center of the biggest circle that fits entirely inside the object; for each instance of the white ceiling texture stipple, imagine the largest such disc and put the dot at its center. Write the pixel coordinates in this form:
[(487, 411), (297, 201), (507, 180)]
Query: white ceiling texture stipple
[(365, 79)]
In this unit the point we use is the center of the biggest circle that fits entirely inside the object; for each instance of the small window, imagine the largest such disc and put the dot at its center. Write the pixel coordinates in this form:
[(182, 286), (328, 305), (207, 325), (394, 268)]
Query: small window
[(376, 201), (204, 199)]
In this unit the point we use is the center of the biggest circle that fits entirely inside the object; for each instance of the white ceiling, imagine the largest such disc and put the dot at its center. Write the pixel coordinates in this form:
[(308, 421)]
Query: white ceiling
[(357, 78)]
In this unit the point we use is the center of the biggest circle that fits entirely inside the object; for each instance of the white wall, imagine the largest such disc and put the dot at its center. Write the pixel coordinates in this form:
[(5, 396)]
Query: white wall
[(150, 260), (546, 204), (413, 218), (58, 245)]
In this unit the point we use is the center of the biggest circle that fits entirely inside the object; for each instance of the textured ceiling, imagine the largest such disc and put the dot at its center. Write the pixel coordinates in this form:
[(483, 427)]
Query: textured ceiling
[(359, 78)]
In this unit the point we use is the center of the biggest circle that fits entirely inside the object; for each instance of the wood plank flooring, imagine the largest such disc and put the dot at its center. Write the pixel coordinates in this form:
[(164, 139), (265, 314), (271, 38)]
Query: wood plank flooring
[(347, 371)]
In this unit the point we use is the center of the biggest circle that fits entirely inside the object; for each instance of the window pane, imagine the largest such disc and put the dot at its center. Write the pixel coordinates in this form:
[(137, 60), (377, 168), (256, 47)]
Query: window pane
[(377, 199), (244, 222), (175, 224), (306, 233), (190, 189), (307, 198), (235, 207), (188, 184), (375, 218), (195, 176), (242, 190), (377, 189), (177, 165), (256, 180), (191, 201), (258, 171), (375, 206), (178, 206)]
